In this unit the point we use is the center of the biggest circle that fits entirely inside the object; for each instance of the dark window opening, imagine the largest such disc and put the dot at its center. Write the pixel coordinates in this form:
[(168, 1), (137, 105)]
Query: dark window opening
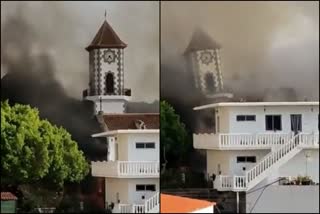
[(209, 82), (151, 187), (246, 117), (145, 145), (109, 84), (251, 118), (246, 159), (273, 123), (296, 122), (140, 145), (140, 187), (241, 118), (251, 159), (147, 187), (241, 159), (150, 145)]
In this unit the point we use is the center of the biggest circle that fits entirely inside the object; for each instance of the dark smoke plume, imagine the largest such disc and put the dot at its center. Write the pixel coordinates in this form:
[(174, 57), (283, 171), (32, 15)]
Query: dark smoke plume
[(270, 51), (30, 79)]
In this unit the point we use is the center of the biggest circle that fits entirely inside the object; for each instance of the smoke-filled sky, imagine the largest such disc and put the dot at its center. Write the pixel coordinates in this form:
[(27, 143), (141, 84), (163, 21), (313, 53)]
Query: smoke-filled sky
[(264, 44), (64, 29)]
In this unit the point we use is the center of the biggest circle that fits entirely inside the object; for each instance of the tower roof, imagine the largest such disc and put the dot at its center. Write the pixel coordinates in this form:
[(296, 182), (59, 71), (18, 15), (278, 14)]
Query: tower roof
[(201, 41), (106, 38)]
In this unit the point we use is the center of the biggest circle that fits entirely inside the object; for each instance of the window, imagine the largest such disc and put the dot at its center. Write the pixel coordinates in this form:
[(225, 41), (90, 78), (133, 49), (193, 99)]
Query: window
[(151, 188), (109, 84), (150, 145), (140, 145), (251, 159), (246, 159), (140, 187), (145, 145), (146, 187), (210, 82), (246, 117), (273, 123)]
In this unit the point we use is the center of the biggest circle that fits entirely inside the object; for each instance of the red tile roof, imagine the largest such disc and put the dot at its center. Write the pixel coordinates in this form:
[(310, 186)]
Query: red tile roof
[(106, 38), (6, 196), (201, 41), (127, 121), (177, 204)]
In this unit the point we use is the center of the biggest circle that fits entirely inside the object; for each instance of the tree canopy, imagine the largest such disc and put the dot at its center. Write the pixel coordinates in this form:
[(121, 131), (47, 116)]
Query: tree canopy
[(33, 149), (174, 138)]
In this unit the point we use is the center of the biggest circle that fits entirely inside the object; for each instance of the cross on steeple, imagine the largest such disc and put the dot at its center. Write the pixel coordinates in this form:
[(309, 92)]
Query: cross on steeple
[(105, 14)]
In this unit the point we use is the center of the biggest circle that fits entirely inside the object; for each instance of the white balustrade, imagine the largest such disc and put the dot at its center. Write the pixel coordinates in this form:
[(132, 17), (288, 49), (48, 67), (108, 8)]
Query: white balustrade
[(253, 140), (272, 158), (238, 183), (148, 206), (138, 168), (125, 208), (125, 168), (138, 208), (152, 202)]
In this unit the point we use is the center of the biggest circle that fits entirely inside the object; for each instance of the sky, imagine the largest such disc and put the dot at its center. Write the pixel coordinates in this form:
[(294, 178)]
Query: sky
[(64, 29)]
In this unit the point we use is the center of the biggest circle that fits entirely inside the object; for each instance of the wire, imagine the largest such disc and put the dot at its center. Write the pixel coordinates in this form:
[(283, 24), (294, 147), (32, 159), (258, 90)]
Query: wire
[(255, 203), (264, 188)]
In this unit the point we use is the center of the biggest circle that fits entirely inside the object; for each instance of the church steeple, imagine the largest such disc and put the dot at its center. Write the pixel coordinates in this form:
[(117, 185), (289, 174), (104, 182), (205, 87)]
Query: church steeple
[(203, 56), (106, 38), (106, 70), (201, 41)]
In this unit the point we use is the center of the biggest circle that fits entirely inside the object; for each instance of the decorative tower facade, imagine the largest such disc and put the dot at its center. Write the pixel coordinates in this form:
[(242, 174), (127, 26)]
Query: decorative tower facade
[(203, 57), (106, 72)]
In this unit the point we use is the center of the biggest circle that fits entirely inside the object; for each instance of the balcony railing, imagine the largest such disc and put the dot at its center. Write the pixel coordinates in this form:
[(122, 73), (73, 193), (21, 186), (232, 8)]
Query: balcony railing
[(246, 140), (126, 168), (253, 140), (230, 183), (277, 157), (131, 208), (151, 205)]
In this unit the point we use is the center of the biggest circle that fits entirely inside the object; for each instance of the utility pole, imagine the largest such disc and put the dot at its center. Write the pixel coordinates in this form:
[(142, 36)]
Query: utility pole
[(238, 210)]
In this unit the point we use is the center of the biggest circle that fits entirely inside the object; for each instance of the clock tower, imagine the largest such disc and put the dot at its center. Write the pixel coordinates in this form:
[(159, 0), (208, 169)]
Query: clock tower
[(106, 72), (203, 57)]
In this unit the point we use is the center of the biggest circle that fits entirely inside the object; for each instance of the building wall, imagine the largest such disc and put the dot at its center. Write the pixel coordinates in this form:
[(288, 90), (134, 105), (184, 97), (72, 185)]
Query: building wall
[(309, 118), (224, 119), (143, 154), (300, 165), (122, 145), (136, 196), (284, 199), (228, 161), (110, 106), (126, 187), (295, 167), (114, 186)]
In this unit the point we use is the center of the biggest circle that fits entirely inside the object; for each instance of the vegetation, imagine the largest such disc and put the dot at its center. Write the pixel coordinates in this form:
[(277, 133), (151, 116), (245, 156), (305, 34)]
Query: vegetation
[(36, 153), (33, 149), (174, 138)]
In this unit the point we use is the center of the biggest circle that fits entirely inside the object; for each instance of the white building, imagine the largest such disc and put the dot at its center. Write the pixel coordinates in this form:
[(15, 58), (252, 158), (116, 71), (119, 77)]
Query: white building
[(131, 171), (256, 144)]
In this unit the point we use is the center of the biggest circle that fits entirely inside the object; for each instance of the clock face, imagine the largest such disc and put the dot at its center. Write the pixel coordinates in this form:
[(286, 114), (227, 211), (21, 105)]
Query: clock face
[(206, 57), (109, 56)]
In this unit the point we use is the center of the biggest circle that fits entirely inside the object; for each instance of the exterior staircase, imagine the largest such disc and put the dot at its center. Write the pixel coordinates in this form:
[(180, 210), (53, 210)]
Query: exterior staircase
[(276, 158), (151, 205)]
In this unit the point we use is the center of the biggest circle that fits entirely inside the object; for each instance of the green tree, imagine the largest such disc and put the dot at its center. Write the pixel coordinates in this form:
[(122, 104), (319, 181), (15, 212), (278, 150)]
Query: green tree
[(174, 138), (34, 150)]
